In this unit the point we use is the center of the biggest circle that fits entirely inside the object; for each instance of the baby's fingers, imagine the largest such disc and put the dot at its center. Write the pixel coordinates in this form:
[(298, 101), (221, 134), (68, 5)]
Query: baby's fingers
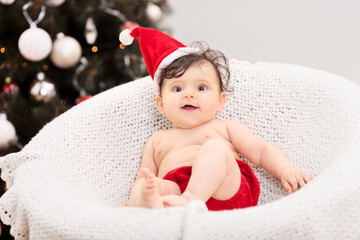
[(287, 186), (290, 184), (307, 177), (300, 180), (124, 204), (293, 183)]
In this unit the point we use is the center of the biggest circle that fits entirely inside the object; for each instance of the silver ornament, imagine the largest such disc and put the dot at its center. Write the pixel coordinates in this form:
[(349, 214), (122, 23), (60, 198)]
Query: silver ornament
[(42, 90)]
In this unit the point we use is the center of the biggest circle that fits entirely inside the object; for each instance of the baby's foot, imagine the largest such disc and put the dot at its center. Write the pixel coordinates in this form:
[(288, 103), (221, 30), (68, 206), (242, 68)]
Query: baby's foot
[(150, 195), (125, 204), (175, 200)]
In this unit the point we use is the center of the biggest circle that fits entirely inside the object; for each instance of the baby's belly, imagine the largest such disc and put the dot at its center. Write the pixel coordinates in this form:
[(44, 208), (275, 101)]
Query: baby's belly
[(176, 158)]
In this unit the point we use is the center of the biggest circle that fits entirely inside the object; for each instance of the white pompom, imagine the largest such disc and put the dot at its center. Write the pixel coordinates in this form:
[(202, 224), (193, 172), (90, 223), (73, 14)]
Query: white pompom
[(125, 37), (7, 132)]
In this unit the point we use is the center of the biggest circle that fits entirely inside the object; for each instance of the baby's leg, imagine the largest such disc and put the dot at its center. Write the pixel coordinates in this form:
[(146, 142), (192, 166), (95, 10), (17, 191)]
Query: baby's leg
[(215, 173), (147, 191), (150, 192)]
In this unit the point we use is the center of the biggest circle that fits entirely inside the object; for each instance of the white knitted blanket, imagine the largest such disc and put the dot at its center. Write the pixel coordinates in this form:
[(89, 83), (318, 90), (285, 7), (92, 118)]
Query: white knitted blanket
[(68, 182)]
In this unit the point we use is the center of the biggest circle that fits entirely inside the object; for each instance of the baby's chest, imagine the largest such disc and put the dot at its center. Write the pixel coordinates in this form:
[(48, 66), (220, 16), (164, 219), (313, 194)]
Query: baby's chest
[(189, 138), (181, 139)]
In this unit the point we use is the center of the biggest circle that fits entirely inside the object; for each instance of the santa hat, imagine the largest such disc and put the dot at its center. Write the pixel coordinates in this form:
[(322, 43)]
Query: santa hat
[(158, 49)]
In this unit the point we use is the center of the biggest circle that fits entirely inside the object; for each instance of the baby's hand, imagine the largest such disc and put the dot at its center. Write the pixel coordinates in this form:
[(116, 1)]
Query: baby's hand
[(292, 179)]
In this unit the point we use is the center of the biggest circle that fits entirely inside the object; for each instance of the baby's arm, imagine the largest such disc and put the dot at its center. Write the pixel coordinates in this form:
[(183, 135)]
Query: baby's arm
[(266, 155), (148, 160)]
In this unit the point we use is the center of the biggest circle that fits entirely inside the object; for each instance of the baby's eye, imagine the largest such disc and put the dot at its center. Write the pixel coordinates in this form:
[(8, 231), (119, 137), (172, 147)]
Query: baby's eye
[(177, 89), (202, 88)]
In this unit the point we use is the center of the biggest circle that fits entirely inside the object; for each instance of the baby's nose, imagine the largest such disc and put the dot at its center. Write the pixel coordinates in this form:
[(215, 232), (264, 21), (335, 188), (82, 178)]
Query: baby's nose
[(189, 93)]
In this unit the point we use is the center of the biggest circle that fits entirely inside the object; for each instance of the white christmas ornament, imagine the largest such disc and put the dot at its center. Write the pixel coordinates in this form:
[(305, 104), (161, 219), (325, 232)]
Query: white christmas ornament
[(66, 51), (35, 44), (153, 12), (90, 31), (7, 2), (125, 37), (54, 3), (7, 132)]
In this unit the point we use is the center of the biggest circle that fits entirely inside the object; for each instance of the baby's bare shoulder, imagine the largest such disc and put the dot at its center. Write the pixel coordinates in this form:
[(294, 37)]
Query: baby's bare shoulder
[(234, 126), (229, 122), (160, 135)]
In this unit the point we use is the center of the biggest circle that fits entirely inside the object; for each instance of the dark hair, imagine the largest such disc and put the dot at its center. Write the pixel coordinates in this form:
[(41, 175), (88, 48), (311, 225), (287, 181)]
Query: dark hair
[(178, 67)]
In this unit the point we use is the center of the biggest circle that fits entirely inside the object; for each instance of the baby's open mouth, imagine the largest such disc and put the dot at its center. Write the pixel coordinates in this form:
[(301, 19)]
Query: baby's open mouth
[(189, 107)]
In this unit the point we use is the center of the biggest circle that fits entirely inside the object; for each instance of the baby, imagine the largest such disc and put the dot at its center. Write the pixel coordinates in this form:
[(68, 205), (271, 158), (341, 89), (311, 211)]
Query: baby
[(196, 159)]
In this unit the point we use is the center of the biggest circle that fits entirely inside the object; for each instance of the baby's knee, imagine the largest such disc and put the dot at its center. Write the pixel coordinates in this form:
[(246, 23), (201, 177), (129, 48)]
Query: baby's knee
[(217, 147)]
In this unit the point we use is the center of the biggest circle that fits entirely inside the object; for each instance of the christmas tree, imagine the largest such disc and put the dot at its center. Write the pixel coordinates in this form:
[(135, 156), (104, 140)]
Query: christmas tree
[(55, 54)]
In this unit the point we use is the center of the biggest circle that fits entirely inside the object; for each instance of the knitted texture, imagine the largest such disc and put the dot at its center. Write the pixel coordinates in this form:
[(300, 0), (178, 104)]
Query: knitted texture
[(68, 182)]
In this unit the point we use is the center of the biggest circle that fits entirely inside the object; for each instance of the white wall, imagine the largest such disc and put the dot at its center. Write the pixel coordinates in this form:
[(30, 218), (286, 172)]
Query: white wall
[(322, 34)]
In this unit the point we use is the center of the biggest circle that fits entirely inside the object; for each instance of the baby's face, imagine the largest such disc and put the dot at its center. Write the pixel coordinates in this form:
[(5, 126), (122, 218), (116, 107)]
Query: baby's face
[(192, 99)]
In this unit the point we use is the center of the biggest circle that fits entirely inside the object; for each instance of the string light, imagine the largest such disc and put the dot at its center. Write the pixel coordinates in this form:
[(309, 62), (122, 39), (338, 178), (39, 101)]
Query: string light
[(121, 46), (25, 64), (2, 50), (45, 67), (94, 49)]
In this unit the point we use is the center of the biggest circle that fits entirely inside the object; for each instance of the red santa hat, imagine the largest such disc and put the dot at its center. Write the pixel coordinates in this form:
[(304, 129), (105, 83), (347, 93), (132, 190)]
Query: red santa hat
[(157, 48)]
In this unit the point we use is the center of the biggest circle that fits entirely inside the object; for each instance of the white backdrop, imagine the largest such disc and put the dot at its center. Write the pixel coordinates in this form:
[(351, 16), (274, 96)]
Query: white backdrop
[(320, 34)]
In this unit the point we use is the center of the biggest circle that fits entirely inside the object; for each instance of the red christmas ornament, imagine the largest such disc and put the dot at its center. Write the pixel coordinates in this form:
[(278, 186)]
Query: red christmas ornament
[(82, 99), (130, 25), (10, 88)]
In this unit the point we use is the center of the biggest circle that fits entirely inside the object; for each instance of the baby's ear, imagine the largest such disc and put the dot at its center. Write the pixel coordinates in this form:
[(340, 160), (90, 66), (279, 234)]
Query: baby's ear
[(159, 104), (222, 100)]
